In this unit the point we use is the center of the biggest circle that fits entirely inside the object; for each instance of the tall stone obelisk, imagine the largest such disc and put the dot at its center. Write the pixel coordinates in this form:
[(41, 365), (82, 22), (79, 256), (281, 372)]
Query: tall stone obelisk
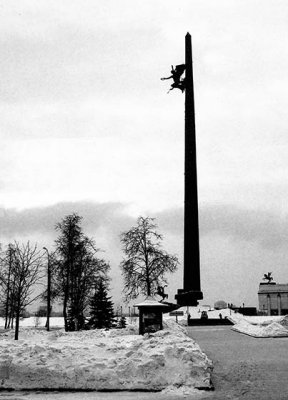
[(191, 292)]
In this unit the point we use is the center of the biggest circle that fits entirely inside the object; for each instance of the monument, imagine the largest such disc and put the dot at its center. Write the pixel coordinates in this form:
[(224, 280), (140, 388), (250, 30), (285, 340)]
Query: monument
[(191, 292)]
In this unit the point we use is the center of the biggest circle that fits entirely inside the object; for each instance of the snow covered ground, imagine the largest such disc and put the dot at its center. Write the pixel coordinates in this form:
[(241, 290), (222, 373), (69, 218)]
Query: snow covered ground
[(256, 326), (118, 359), (261, 326)]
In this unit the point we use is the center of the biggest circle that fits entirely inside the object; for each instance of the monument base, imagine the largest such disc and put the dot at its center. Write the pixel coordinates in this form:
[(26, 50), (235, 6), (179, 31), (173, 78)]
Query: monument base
[(188, 298)]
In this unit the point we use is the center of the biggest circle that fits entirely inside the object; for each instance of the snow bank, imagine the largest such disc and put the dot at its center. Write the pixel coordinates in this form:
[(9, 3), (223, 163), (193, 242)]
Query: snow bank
[(276, 328), (118, 359), (262, 320)]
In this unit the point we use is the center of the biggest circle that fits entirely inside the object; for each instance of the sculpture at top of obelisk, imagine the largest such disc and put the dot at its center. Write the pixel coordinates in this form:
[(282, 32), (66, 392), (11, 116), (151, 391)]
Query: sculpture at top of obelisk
[(191, 292)]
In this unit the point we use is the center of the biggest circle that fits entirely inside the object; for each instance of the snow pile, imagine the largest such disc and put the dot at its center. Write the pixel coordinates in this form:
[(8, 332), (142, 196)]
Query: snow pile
[(284, 321), (117, 359), (276, 328), (260, 319)]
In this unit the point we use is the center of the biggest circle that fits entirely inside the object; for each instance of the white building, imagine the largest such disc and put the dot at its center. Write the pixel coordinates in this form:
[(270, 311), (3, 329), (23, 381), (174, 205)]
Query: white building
[(273, 298)]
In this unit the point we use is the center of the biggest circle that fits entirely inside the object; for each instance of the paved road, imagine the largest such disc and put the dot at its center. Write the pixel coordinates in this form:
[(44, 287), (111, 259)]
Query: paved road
[(244, 367)]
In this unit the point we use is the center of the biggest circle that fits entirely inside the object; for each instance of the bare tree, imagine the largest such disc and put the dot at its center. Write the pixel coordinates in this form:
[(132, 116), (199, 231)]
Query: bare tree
[(26, 265), (52, 289), (7, 284), (145, 264)]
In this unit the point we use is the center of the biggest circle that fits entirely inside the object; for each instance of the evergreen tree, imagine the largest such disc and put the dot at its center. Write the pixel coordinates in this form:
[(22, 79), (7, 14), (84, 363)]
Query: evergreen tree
[(101, 308), (122, 322), (77, 269)]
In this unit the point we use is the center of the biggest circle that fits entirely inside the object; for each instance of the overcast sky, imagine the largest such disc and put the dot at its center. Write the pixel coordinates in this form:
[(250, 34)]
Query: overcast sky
[(87, 126)]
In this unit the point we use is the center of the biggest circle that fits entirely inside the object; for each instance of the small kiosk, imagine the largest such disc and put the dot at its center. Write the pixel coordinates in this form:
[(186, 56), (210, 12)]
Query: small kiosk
[(151, 315)]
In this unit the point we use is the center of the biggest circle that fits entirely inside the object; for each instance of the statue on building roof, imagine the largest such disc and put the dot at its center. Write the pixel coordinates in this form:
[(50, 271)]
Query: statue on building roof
[(268, 277)]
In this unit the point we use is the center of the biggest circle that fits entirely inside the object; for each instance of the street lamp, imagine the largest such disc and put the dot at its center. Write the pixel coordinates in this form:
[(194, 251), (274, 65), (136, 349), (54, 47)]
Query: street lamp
[(48, 288)]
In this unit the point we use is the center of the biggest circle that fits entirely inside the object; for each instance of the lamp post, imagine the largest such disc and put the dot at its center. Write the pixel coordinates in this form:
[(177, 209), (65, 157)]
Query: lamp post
[(48, 288)]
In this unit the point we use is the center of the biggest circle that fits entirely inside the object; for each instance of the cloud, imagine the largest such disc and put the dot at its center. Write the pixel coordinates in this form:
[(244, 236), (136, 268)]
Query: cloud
[(266, 228), (102, 221), (70, 61), (269, 229), (171, 220), (42, 220)]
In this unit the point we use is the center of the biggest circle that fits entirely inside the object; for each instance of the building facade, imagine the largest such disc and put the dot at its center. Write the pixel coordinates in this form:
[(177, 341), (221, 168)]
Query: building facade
[(273, 298)]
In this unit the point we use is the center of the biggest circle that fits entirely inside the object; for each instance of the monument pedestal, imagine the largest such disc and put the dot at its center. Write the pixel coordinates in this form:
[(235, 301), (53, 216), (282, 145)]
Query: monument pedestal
[(188, 298)]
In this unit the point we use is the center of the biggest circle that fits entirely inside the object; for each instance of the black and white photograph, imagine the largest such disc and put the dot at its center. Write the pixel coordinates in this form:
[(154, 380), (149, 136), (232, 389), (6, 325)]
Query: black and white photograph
[(143, 200)]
